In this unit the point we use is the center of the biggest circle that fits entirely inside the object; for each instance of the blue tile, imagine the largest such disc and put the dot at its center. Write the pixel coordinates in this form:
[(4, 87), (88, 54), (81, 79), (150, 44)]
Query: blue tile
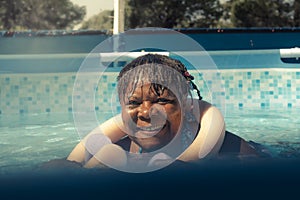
[(258, 92), (240, 84)]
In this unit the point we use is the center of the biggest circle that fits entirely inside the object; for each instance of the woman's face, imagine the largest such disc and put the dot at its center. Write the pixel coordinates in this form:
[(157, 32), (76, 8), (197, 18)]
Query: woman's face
[(151, 121)]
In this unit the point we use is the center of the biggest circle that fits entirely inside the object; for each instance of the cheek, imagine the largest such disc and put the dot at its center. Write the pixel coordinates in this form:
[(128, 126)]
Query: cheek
[(129, 118), (175, 119)]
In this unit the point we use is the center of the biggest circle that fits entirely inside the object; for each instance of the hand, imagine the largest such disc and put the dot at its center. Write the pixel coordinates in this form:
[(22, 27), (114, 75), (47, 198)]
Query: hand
[(110, 155)]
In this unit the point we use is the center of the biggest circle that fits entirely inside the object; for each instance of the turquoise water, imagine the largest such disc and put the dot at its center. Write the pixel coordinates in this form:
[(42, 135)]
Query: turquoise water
[(30, 139), (278, 129)]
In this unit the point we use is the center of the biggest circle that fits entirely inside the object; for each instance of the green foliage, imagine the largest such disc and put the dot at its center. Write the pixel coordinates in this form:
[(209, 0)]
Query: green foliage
[(266, 13), (37, 14), (296, 16), (213, 14), (173, 13), (102, 21), (63, 14)]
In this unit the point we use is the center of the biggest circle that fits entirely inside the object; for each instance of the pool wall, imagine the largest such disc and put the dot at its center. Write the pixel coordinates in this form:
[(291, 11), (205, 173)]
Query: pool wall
[(37, 74), (243, 88)]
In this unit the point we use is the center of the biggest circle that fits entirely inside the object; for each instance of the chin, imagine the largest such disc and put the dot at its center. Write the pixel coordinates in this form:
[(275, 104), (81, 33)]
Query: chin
[(150, 145)]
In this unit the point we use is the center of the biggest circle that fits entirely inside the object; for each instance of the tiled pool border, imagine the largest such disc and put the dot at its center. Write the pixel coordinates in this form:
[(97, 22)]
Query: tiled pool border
[(236, 88)]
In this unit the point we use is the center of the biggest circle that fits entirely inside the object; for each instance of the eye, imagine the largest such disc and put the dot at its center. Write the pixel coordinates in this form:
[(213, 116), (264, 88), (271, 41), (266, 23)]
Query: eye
[(164, 100), (133, 103)]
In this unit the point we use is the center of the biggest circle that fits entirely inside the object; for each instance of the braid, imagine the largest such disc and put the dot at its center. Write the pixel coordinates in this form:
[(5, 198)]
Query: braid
[(166, 77), (194, 86)]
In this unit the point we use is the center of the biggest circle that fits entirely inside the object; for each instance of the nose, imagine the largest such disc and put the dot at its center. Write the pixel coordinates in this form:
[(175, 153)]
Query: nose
[(145, 109), (149, 111)]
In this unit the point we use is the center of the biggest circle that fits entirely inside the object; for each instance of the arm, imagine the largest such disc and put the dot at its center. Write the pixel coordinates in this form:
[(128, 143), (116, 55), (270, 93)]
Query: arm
[(112, 128)]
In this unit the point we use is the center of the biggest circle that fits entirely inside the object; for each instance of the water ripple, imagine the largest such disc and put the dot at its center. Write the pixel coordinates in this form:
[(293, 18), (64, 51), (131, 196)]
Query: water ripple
[(52, 140), (22, 149)]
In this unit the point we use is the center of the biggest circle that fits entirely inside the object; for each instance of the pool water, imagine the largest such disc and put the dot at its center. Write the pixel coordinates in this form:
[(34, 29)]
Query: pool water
[(28, 140), (278, 130), (31, 139)]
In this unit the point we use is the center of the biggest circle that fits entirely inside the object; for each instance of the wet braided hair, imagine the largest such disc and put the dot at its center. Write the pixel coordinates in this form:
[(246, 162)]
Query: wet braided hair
[(140, 70)]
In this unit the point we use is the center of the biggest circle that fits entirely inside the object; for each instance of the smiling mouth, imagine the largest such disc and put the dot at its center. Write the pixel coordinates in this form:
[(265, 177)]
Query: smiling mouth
[(149, 131)]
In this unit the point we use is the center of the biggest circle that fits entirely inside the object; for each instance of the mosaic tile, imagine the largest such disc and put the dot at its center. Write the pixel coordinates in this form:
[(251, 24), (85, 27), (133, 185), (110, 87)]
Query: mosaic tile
[(257, 88)]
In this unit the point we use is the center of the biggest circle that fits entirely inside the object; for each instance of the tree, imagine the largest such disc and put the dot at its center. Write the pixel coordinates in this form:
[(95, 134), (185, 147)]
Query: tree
[(296, 13), (257, 13), (205, 13), (173, 13), (36, 14), (102, 21)]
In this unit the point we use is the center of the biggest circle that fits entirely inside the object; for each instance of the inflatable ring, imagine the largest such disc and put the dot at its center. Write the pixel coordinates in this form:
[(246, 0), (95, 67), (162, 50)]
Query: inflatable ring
[(210, 138), (207, 143)]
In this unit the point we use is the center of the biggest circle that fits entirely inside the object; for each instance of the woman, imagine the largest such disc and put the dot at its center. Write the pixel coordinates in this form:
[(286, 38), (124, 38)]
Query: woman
[(159, 114)]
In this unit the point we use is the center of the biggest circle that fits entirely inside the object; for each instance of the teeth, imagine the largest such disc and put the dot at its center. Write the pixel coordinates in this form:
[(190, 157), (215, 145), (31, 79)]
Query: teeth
[(151, 128)]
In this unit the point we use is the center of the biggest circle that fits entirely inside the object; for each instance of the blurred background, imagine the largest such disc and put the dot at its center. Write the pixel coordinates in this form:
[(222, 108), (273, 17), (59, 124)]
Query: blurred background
[(22, 15)]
